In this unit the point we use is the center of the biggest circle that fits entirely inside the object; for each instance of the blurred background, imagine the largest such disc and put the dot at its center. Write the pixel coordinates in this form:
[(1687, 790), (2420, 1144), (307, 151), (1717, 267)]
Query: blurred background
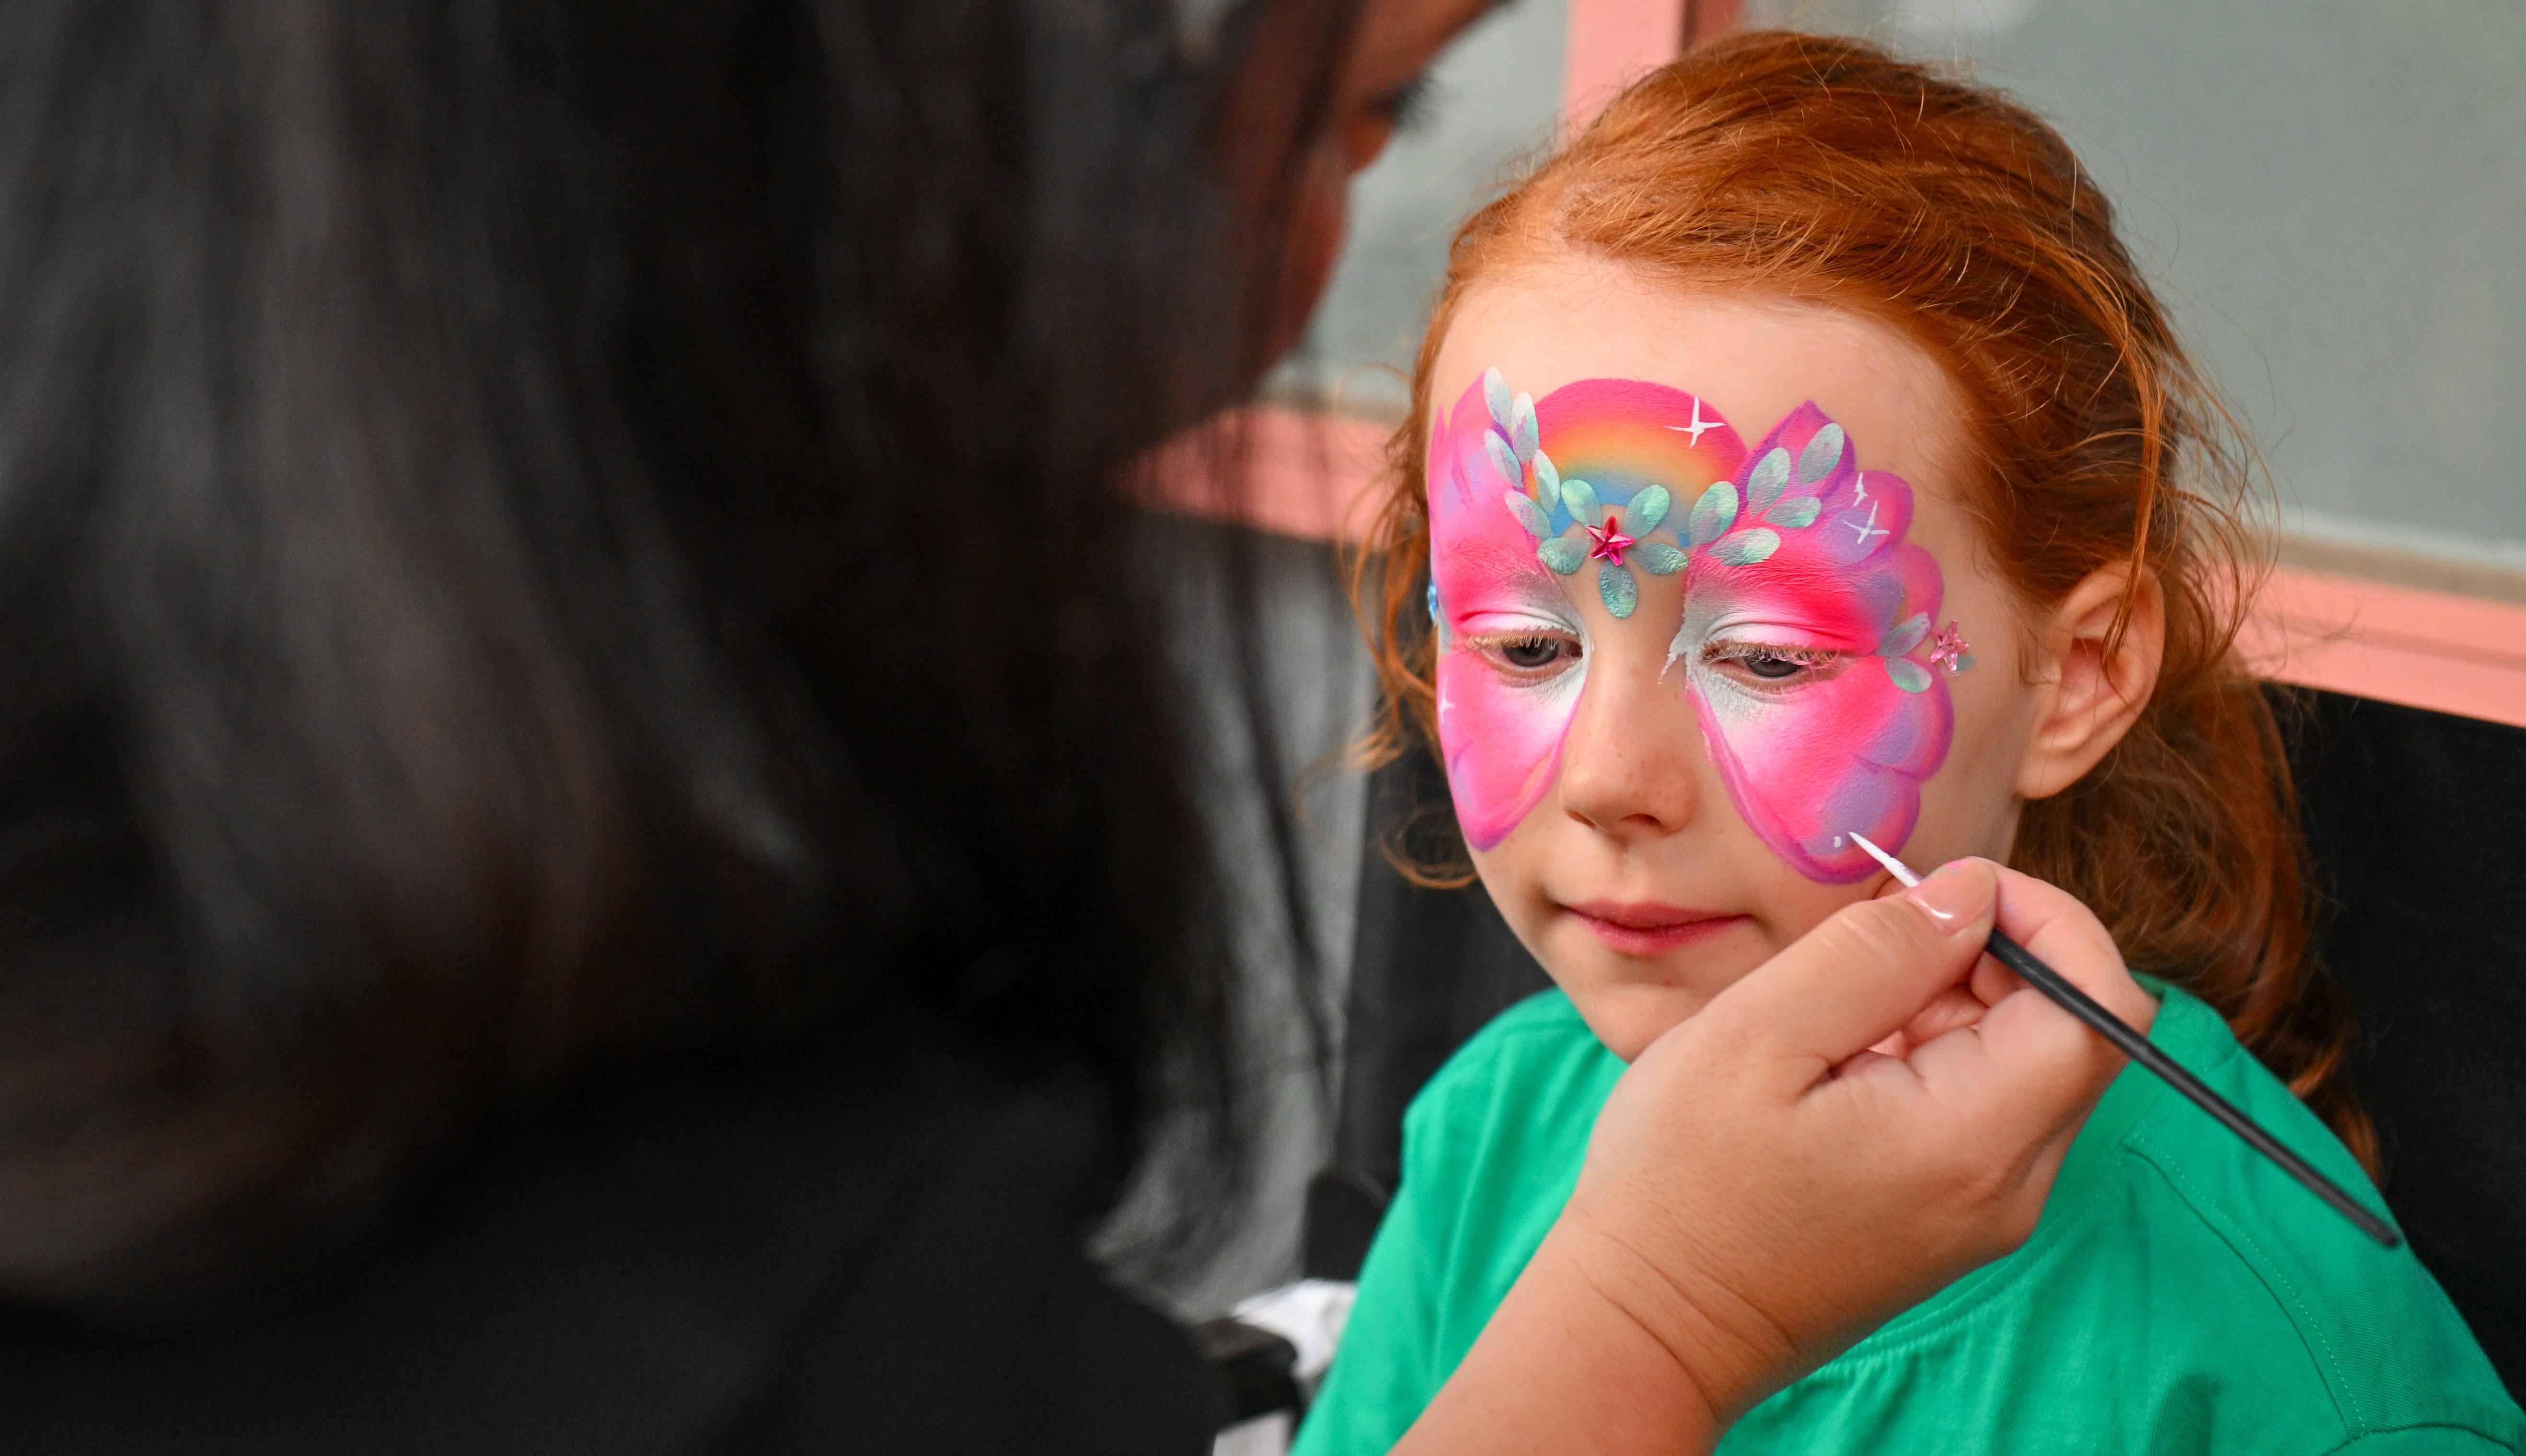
[(2331, 196)]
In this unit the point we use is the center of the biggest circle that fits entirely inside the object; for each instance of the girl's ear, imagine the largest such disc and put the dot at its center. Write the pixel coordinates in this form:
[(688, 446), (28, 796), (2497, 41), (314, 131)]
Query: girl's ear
[(2088, 698)]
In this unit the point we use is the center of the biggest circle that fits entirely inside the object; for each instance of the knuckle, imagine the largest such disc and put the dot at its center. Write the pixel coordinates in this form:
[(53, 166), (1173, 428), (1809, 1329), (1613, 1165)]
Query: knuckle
[(1983, 1180)]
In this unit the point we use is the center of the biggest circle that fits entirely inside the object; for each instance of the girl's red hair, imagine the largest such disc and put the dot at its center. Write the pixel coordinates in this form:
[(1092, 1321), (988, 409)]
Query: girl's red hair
[(1825, 170)]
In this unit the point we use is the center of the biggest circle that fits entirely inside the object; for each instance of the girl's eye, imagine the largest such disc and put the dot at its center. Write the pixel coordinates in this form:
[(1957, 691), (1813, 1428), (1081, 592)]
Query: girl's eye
[(1532, 652), (1784, 666), (1528, 654)]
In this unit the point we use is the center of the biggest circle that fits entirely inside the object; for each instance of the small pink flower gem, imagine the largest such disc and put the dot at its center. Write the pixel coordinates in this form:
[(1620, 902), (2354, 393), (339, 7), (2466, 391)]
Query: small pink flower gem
[(1610, 541), (1949, 650)]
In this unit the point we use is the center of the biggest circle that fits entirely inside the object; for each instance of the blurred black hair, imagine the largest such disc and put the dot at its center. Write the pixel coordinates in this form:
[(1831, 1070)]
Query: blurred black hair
[(542, 536)]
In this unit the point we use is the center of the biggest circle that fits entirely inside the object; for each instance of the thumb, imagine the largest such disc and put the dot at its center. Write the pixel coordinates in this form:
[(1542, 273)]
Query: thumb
[(1866, 971)]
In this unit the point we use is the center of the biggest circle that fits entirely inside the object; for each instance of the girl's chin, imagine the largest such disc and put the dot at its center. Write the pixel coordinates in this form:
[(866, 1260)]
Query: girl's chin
[(1628, 1017)]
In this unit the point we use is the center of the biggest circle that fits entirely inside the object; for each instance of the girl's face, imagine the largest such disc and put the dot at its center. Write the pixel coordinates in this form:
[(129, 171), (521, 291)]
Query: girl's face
[(1708, 601)]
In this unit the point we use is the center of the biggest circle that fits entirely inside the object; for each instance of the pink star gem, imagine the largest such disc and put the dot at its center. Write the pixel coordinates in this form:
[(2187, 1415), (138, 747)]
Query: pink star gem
[(1610, 541), (1949, 650)]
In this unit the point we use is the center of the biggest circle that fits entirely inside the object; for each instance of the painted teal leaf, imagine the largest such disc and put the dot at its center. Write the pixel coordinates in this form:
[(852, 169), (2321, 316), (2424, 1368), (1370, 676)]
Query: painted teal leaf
[(1908, 675), (1905, 636), (1771, 477), (1712, 515), (1646, 511), (1495, 397), (1796, 512), (1528, 514), (1580, 498), (1503, 459), (1615, 585), (1964, 661), (1659, 559), (1548, 477), (1433, 601), (1821, 455), (1521, 427), (1746, 547), (1562, 554)]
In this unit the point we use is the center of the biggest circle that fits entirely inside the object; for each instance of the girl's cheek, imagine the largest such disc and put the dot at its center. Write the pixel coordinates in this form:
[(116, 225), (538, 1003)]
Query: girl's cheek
[(1805, 769), (1501, 741), (1500, 738), (1808, 766)]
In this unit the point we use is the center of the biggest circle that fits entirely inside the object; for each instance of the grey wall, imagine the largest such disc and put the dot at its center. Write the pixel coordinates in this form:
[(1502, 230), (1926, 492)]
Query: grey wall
[(1494, 101), (2332, 194)]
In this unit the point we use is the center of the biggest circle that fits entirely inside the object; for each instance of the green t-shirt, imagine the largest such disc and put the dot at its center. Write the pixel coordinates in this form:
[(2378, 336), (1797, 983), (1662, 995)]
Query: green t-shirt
[(2179, 1295)]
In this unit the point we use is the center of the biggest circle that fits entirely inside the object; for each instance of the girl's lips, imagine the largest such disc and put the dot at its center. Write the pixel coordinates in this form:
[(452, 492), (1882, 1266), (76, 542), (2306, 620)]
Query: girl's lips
[(1648, 929)]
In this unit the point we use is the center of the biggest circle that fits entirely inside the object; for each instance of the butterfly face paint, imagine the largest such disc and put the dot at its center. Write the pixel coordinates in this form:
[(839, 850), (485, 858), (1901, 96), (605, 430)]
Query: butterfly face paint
[(1507, 525), (1804, 643)]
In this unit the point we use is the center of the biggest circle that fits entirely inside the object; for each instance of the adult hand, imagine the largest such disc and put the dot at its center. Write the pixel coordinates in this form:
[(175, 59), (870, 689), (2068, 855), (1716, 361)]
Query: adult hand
[(1762, 1189)]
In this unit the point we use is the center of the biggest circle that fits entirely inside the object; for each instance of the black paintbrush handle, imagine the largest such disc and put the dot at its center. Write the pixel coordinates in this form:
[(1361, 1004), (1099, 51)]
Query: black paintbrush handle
[(2139, 1048)]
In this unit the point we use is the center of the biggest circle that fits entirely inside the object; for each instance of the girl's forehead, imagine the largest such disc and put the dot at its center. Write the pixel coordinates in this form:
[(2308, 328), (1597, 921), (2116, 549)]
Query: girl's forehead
[(1755, 357)]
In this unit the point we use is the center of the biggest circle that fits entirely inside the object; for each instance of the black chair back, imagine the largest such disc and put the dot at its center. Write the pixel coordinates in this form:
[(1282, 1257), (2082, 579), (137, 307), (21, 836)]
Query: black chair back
[(2415, 819), (1429, 968)]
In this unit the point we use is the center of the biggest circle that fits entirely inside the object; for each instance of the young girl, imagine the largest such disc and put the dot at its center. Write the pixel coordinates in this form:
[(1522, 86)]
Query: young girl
[(1797, 457)]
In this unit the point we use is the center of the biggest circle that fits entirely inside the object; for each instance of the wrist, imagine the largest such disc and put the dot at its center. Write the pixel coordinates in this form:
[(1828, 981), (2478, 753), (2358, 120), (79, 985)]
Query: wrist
[(1567, 1363), (1722, 1350)]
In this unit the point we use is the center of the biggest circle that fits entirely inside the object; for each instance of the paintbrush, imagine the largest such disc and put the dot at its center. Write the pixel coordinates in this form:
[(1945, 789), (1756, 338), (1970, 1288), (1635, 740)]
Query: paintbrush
[(2139, 1048)]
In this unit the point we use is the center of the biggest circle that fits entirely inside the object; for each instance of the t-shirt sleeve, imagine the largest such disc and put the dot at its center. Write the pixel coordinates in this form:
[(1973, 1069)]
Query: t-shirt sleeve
[(1386, 1369)]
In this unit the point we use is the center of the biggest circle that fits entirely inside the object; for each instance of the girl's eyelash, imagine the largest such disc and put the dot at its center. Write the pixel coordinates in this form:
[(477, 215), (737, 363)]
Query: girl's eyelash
[(1805, 657), (1504, 645)]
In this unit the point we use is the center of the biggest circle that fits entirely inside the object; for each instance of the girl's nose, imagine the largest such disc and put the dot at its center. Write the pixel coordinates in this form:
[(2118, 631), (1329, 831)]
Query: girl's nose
[(1628, 761)]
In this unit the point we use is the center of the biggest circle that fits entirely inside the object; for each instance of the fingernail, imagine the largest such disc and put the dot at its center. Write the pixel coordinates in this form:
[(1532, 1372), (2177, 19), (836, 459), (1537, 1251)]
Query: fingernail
[(1955, 896)]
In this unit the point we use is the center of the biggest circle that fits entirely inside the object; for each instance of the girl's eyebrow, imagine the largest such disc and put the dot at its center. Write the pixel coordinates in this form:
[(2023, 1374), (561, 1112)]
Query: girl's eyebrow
[(1490, 559), (1811, 577), (1517, 572), (1778, 616)]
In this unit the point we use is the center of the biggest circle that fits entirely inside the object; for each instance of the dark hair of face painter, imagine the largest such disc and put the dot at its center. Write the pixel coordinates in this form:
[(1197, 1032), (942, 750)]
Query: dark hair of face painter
[(543, 539)]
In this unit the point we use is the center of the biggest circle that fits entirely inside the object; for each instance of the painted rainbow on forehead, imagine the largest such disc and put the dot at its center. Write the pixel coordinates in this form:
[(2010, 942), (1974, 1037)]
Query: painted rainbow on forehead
[(1624, 436), (1789, 545)]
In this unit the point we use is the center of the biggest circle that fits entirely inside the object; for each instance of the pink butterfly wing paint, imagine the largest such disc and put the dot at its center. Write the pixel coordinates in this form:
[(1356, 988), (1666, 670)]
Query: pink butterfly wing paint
[(1808, 766), (1501, 741)]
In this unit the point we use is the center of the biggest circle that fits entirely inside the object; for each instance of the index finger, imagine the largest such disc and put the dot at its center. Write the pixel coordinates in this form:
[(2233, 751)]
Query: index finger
[(2066, 935), (1863, 974)]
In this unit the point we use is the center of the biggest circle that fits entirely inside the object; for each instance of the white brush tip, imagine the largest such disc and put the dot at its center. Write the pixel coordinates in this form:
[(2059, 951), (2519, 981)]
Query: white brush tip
[(1901, 872)]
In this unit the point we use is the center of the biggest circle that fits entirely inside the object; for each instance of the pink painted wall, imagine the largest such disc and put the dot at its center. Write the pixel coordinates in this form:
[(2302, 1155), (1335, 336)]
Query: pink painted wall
[(1609, 43), (1302, 474), (2424, 649)]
